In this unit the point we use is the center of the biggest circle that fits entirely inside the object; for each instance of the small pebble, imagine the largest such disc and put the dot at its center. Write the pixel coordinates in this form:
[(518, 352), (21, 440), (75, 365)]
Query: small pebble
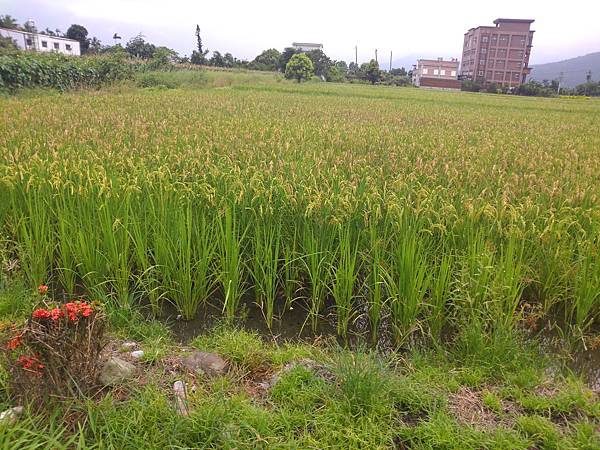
[(128, 345), (11, 415), (137, 354)]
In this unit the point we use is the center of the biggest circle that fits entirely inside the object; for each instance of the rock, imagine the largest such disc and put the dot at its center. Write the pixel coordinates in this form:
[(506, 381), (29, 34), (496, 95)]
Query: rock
[(115, 371), (181, 398), (128, 345), (203, 363), (318, 369), (137, 354), (10, 416)]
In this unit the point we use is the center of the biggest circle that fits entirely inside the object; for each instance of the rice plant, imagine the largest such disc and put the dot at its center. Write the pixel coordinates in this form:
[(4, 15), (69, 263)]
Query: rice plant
[(345, 276), (406, 281), (266, 263), (419, 205)]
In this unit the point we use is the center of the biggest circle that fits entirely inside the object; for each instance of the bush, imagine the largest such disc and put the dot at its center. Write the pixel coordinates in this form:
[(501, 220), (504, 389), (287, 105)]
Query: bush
[(470, 86), (32, 70), (300, 67), (56, 353)]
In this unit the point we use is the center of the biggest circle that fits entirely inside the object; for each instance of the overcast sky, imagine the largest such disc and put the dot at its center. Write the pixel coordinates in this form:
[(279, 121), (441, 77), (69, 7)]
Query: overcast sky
[(245, 28)]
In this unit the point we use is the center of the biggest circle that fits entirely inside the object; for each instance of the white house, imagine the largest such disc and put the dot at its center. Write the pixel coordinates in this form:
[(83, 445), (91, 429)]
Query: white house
[(42, 42), (307, 46)]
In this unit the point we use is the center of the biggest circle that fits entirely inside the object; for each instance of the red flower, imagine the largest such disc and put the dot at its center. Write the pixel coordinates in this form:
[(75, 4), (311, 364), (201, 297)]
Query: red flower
[(14, 343), (41, 314), (56, 314), (43, 289), (31, 364)]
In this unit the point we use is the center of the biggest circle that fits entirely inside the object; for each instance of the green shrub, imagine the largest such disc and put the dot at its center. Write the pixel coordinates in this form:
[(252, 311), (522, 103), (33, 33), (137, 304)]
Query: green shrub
[(32, 70)]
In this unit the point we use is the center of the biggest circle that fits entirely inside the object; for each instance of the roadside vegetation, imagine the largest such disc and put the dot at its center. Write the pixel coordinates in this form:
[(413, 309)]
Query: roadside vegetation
[(475, 393)]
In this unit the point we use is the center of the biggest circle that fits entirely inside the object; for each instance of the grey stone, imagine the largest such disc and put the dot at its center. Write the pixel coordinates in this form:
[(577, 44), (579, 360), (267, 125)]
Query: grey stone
[(128, 345), (318, 369), (115, 371), (137, 354), (10, 416), (204, 363)]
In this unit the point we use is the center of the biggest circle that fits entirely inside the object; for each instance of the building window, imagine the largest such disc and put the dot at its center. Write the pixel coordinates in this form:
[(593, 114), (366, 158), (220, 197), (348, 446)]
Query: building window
[(516, 76), (45, 44), (425, 71), (481, 73), (453, 73), (482, 62), (523, 40), (435, 71), (442, 72), (28, 42), (68, 47), (56, 46), (484, 50), (484, 39)]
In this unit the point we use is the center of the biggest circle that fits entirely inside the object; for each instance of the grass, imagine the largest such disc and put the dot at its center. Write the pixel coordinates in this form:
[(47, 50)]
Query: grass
[(363, 400)]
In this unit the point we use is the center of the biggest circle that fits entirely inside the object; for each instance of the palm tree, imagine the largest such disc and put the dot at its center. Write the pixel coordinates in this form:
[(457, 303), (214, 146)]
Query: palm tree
[(7, 21)]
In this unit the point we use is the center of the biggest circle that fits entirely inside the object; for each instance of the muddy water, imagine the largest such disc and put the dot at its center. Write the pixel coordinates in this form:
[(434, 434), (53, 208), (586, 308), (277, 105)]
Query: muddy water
[(292, 325)]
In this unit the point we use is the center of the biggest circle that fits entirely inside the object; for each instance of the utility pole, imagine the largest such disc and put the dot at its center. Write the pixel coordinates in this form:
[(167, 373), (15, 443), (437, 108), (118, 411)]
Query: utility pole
[(390, 61), (560, 79), (356, 55), (376, 55)]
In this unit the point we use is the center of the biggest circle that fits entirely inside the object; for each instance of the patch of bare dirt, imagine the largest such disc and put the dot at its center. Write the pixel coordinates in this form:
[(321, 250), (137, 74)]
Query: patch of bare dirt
[(468, 407)]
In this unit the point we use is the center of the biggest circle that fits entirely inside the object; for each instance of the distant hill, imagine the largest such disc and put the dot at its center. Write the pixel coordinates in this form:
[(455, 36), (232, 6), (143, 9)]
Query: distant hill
[(574, 70)]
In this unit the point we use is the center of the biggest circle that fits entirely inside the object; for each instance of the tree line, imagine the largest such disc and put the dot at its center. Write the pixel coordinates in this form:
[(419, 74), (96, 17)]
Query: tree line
[(316, 63)]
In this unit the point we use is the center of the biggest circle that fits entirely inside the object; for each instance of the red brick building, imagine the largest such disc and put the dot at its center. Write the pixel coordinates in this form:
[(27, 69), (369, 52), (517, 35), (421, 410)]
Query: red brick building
[(498, 54), (436, 73)]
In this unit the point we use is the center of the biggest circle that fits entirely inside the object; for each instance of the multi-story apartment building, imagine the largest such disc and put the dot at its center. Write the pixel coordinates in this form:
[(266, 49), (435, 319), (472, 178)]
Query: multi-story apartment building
[(436, 73), (498, 54)]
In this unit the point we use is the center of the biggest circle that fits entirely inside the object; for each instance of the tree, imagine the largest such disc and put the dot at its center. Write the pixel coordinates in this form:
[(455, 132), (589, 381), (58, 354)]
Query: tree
[(79, 33), (267, 60), (217, 59), (7, 21), (229, 60), (321, 63), (95, 46), (401, 72), (8, 46), (199, 55), (137, 47), (287, 54), (371, 71), (300, 67)]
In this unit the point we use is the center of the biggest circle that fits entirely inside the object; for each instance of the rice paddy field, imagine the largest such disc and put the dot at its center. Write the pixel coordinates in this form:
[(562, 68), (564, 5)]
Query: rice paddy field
[(420, 212)]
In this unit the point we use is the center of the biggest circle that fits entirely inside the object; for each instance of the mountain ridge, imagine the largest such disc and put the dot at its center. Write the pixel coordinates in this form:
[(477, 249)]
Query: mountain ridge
[(573, 70)]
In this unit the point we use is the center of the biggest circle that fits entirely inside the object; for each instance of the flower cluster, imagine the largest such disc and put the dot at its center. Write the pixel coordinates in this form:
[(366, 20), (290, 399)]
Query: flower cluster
[(43, 289), (73, 310), (31, 364), (15, 342)]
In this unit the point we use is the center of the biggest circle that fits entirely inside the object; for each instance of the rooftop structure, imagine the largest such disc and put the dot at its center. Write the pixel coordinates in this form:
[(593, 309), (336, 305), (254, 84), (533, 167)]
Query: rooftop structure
[(307, 46)]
